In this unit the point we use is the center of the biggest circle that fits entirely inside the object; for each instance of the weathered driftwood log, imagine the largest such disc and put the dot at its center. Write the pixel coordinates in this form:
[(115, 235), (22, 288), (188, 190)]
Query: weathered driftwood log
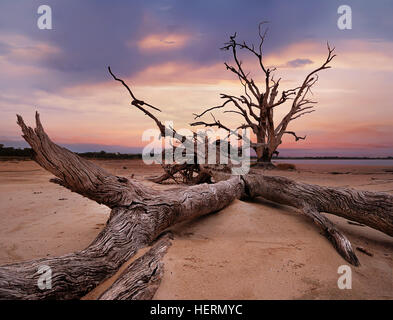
[(374, 209), (185, 172), (141, 279), (140, 214), (188, 173)]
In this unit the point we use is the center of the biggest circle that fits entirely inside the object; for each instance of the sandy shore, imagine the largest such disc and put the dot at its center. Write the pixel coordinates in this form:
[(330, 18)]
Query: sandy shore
[(250, 250)]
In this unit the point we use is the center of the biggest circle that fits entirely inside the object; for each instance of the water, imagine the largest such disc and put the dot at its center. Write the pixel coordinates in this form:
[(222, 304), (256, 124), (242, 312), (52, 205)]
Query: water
[(349, 162)]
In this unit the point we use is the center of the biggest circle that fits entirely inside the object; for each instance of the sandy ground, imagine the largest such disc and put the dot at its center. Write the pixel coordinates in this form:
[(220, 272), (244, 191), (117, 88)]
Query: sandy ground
[(250, 250)]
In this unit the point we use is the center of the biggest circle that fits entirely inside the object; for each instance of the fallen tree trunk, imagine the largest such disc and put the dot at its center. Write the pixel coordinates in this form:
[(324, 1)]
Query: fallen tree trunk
[(140, 214), (186, 173), (374, 209), (141, 279)]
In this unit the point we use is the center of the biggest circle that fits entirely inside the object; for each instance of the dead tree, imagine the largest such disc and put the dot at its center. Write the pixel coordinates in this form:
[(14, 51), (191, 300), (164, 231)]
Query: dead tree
[(187, 173), (258, 103), (140, 214)]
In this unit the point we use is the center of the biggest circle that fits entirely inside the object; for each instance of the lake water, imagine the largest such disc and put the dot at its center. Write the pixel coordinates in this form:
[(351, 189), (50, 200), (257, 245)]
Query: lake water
[(349, 162)]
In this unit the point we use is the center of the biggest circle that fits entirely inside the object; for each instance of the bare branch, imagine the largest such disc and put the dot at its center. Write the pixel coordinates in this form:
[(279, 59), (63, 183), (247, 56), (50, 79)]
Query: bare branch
[(139, 104), (257, 106), (135, 100), (301, 114), (297, 138), (75, 173), (212, 108)]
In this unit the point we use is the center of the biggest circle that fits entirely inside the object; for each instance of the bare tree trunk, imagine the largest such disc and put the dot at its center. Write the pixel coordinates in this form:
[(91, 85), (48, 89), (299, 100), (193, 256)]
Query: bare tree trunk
[(139, 215), (141, 279), (374, 209), (264, 158)]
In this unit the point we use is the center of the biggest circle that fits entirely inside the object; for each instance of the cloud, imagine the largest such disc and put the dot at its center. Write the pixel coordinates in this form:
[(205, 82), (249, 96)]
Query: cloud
[(298, 63), (25, 50), (162, 42), (169, 52)]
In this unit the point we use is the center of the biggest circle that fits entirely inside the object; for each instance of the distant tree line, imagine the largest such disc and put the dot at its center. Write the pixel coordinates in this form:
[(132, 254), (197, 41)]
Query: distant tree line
[(109, 155), (28, 153), (12, 152)]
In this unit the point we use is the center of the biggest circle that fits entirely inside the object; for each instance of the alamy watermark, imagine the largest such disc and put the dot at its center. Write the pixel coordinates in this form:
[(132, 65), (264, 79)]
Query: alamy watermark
[(345, 280), (344, 22), (44, 281), (204, 147), (44, 21)]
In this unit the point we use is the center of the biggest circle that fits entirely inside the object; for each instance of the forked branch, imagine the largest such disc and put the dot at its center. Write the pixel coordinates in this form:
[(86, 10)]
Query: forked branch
[(143, 214)]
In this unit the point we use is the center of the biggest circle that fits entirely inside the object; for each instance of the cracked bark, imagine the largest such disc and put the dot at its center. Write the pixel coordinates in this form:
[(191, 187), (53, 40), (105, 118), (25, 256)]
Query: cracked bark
[(140, 214), (141, 279)]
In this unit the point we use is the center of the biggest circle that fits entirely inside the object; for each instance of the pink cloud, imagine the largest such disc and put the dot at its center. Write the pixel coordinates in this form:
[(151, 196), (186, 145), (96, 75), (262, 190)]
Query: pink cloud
[(154, 42)]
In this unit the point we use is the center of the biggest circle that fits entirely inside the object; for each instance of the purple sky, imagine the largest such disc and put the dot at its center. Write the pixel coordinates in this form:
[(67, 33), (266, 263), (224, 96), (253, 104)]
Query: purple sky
[(169, 52)]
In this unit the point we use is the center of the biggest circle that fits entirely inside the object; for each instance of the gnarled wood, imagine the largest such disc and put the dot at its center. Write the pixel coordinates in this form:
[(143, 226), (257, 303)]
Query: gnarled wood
[(258, 103), (141, 279), (374, 209), (140, 214), (76, 173), (189, 173)]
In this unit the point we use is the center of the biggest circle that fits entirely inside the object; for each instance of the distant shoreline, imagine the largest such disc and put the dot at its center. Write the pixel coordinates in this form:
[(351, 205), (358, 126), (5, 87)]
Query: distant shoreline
[(26, 153), (331, 158), (139, 156)]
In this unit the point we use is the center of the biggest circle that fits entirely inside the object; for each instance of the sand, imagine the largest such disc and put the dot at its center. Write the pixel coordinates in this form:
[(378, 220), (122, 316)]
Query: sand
[(249, 250)]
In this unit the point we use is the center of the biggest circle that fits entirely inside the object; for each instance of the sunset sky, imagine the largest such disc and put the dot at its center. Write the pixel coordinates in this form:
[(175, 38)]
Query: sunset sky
[(168, 52)]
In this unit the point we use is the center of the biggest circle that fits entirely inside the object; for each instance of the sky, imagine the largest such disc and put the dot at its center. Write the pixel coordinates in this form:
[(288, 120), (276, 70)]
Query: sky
[(169, 53)]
